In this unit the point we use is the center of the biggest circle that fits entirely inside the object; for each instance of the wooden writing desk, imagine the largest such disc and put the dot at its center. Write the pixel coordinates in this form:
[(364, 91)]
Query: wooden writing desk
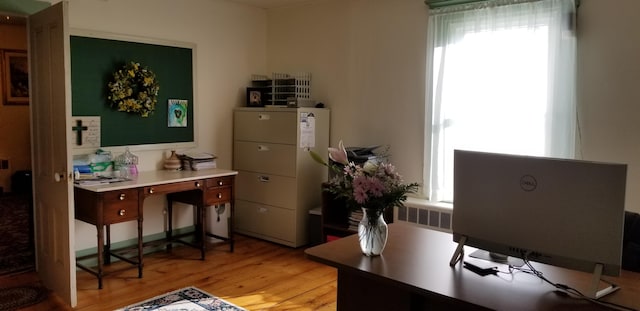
[(106, 204), (413, 273)]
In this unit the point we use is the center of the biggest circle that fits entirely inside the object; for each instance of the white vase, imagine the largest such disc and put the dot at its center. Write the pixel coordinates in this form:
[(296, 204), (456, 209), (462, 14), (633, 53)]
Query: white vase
[(372, 232)]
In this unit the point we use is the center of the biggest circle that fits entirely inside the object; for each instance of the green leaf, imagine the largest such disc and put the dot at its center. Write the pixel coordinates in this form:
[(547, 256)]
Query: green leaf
[(316, 157)]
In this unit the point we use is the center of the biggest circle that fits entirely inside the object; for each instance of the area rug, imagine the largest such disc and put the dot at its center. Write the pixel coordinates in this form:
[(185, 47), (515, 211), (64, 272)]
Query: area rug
[(188, 298), (14, 298), (16, 246)]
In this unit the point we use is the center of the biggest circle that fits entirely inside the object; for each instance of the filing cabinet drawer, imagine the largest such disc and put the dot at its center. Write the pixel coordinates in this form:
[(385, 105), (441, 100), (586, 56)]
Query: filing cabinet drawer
[(266, 188), (265, 126), (265, 158), (265, 221), (120, 205)]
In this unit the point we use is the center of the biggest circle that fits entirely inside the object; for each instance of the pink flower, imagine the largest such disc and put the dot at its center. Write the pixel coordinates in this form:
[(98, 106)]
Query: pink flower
[(371, 185), (339, 155)]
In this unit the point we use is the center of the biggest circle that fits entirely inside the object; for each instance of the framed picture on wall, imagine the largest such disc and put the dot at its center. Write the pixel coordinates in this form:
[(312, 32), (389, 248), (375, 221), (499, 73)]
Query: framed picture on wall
[(15, 77), (177, 113)]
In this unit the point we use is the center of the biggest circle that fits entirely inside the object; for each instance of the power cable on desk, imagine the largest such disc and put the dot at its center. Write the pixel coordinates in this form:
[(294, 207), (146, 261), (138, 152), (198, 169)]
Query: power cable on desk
[(562, 289)]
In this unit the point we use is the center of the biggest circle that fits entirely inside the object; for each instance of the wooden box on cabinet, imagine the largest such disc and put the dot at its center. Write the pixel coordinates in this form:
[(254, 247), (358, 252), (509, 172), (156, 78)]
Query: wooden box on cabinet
[(278, 181)]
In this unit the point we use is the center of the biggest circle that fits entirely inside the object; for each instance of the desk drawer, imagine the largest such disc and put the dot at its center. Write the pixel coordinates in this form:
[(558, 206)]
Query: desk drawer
[(219, 182), (174, 187), (120, 205), (217, 195)]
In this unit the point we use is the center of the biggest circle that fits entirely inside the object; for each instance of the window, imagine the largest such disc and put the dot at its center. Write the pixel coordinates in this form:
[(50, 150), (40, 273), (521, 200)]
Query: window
[(501, 78)]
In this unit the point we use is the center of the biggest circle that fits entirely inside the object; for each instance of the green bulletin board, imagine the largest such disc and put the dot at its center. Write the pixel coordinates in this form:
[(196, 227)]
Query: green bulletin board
[(93, 61)]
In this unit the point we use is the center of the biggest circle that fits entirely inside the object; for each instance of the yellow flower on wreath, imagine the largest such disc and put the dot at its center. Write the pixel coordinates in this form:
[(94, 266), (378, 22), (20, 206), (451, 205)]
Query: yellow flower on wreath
[(134, 89)]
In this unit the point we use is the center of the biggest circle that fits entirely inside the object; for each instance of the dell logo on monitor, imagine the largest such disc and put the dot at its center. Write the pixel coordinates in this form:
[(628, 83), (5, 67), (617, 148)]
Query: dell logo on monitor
[(528, 183)]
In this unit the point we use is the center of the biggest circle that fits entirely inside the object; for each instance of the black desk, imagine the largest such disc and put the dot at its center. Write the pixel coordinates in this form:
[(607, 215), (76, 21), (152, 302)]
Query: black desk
[(413, 273)]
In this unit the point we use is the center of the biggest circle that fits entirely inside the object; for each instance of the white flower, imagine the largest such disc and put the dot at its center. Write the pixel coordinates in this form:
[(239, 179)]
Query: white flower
[(369, 167)]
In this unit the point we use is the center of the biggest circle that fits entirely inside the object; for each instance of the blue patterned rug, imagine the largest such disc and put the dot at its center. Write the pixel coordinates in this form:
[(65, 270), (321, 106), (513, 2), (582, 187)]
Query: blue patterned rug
[(188, 298)]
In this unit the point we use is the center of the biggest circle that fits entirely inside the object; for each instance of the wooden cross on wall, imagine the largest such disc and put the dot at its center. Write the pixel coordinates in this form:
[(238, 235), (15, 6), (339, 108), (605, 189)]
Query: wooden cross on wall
[(79, 128), (86, 131)]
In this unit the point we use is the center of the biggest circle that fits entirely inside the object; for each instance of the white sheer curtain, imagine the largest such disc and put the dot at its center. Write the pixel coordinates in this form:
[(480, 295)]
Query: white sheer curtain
[(501, 79)]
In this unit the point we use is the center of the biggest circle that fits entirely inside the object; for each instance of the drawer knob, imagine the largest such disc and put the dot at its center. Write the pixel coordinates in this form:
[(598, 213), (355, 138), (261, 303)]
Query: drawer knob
[(121, 212), (121, 197), (220, 183), (197, 184), (151, 190), (263, 178), (219, 195)]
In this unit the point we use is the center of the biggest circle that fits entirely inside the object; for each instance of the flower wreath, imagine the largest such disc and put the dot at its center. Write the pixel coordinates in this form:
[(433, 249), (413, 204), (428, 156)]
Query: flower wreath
[(134, 89)]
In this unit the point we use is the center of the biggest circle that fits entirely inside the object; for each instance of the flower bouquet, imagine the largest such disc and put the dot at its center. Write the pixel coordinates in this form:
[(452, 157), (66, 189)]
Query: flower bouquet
[(373, 187)]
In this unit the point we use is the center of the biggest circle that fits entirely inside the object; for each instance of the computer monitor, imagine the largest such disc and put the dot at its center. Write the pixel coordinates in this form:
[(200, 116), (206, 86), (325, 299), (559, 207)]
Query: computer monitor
[(562, 212)]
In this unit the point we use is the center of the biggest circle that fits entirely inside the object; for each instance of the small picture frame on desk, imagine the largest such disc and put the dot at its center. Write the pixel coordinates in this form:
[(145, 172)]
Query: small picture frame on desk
[(256, 96)]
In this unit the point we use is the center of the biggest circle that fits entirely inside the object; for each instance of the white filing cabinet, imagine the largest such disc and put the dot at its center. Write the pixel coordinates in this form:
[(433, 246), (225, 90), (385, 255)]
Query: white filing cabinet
[(278, 182)]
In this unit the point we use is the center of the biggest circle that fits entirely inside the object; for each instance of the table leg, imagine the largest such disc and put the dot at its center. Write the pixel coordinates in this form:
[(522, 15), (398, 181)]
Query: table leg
[(140, 265), (99, 229), (230, 225), (169, 232), (201, 226), (107, 248)]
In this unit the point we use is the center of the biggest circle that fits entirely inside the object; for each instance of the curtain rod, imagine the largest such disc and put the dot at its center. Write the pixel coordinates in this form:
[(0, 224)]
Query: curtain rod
[(434, 4)]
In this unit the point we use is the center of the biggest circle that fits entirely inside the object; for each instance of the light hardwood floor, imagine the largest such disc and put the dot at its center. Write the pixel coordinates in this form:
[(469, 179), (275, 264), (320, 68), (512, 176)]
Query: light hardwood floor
[(258, 275)]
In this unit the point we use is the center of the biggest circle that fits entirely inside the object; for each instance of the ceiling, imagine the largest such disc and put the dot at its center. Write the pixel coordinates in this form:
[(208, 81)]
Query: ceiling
[(22, 7), (13, 11), (270, 4)]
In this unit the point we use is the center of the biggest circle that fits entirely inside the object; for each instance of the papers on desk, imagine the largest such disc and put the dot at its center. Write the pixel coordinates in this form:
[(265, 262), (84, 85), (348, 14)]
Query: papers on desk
[(198, 161), (98, 180)]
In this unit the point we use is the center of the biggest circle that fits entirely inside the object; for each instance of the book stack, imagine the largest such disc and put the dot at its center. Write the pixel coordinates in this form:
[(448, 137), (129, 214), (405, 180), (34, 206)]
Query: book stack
[(354, 219), (198, 161)]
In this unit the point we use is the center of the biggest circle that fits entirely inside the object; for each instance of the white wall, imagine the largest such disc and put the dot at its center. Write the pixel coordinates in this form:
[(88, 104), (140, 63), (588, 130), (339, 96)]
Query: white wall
[(609, 86), (368, 65), (367, 59), (231, 45)]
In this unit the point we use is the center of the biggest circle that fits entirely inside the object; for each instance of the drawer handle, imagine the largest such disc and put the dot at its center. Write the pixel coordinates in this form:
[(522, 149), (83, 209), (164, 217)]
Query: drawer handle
[(262, 210), (197, 184), (263, 148), (219, 195), (263, 178), (220, 183), (151, 190), (121, 197), (264, 117), (121, 212)]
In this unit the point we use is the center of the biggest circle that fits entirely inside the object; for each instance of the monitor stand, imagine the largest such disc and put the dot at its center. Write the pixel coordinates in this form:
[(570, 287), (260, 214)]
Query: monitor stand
[(458, 254), (596, 293), (497, 258)]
